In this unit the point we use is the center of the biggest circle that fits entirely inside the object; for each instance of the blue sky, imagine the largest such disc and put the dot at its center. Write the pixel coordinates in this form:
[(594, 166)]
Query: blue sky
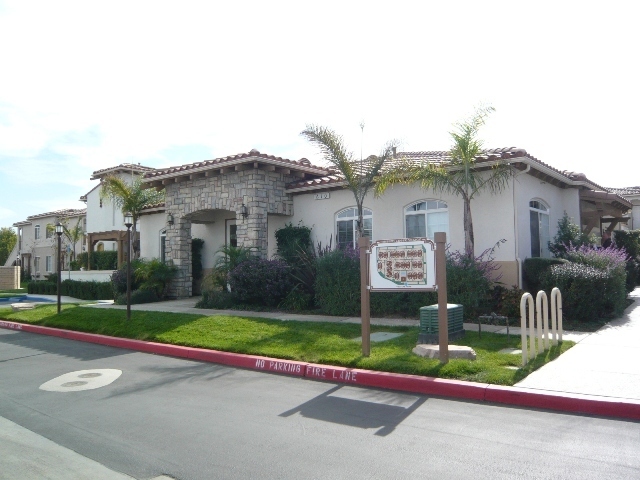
[(86, 85)]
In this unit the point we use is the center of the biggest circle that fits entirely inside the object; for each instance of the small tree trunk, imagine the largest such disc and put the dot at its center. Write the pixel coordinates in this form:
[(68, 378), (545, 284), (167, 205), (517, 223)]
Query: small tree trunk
[(468, 229)]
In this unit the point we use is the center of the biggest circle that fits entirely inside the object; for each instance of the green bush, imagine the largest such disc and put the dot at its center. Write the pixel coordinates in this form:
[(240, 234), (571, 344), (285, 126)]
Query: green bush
[(99, 260), (154, 275), (337, 287), (569, 235), (534, 270), (218, 299), (588, 293), (630, 242), (119, 278), (258, 281), (469, 283), (403, 304), (138, 296), (74, 288), (506, 301)]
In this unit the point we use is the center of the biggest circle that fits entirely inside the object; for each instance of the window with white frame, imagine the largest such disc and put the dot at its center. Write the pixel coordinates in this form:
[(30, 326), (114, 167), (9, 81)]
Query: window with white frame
[(347, 226), (425, 218), (36, 264), (163, 242), (49, 263), (36, 231), (539, 227)]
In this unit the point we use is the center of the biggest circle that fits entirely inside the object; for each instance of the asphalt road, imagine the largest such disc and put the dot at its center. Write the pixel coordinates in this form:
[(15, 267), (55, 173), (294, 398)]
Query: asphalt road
[(191, 420)]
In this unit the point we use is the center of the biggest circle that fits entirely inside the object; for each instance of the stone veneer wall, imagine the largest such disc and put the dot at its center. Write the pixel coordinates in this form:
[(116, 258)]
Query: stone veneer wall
[(262, 191), (9, 278)]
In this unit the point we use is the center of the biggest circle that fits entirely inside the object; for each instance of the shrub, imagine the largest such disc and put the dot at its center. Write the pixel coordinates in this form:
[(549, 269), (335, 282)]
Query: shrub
[(587, 292), (534, 270), (337, 287), (138, 296), (218, 299), (569, 234), (469, 281), (154, 275), (74, 288), (99, 260), (227, 258), (630, 242), (295, 248), (260, 281), (119, 278), (292, 241), (506, 301)]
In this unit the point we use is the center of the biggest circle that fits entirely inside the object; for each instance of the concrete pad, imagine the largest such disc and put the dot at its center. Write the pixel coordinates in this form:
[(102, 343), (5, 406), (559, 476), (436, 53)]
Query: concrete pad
[(512, 351), (16, 307), (455, 351), (380, 336)]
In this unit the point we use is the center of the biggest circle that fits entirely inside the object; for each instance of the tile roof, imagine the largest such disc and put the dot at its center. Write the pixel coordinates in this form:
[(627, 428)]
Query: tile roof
[(67, 212), (303, 164), (123, 167), (625, 190), (443, 157)]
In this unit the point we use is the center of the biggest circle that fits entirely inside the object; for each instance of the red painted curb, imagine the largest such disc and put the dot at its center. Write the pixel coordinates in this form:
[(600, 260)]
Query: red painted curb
[(566, 402)]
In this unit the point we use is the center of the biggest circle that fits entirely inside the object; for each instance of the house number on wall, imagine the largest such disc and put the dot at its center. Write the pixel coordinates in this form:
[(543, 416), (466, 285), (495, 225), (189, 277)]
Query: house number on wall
[(321, 196)]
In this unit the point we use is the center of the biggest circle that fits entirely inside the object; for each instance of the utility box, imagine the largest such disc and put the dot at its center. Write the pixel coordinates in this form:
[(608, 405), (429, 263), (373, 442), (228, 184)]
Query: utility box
[(429, 324)]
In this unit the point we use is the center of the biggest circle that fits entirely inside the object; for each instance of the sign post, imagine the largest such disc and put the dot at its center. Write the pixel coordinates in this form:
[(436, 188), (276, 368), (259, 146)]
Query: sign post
[(405, 264), (443, 314), (365, 310)]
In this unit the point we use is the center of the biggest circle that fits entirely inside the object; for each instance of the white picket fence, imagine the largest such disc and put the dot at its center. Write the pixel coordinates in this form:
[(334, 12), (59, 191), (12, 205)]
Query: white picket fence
[(539, 324)]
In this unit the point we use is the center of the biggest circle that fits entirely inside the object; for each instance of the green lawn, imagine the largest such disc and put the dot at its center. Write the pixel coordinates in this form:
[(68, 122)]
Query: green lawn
[(315, 342)]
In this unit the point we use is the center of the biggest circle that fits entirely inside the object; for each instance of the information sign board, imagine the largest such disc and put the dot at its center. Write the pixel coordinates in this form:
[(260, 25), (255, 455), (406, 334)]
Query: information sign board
[(402, 264)]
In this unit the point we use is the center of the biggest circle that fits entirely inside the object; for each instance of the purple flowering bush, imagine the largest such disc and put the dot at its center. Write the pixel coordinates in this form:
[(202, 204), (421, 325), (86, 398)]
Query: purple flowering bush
[(592, 283), (260, 281)]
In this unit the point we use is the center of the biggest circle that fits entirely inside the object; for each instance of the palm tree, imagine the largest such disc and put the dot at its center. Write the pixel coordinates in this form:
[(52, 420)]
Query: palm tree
[(359, 176), (461, 175), (129, 197)]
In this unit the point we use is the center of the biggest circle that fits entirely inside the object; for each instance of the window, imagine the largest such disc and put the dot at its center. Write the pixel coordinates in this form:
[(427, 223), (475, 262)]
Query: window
[(539, 225), (36, 264), (163, 242), (48, 264), (48, 231), (347, 226), (425, 218), (37, 231)]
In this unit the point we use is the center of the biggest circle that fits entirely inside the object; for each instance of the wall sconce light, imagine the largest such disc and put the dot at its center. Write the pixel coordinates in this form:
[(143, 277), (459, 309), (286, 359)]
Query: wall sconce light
[(244, 211), (170, 219)]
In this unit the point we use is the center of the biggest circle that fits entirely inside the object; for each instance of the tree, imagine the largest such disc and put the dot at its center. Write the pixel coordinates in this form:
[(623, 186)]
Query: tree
[(568, 236), (129, 197), (462, 175), (358, 175), (8, 239)]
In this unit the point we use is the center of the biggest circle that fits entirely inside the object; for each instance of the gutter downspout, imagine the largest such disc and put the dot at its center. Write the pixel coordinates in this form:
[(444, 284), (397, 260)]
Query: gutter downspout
[(515, 225)]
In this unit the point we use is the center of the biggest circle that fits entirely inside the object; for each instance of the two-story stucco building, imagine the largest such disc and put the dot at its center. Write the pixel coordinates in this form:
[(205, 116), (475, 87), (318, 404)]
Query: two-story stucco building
[(37, 243)]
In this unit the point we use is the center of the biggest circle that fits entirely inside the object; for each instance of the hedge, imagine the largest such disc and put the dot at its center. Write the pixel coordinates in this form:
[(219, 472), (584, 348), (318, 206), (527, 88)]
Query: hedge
[(74, 288), (534, 269)]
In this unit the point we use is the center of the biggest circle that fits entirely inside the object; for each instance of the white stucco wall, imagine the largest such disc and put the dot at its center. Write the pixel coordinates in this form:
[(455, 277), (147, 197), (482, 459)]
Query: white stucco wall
[(492, 216), (106, 218), (558, 200), (150, 226)]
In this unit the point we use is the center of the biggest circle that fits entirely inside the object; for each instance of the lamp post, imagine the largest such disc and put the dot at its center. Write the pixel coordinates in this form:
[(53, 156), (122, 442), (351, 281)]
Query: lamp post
[(59, 234), (128, 222)]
